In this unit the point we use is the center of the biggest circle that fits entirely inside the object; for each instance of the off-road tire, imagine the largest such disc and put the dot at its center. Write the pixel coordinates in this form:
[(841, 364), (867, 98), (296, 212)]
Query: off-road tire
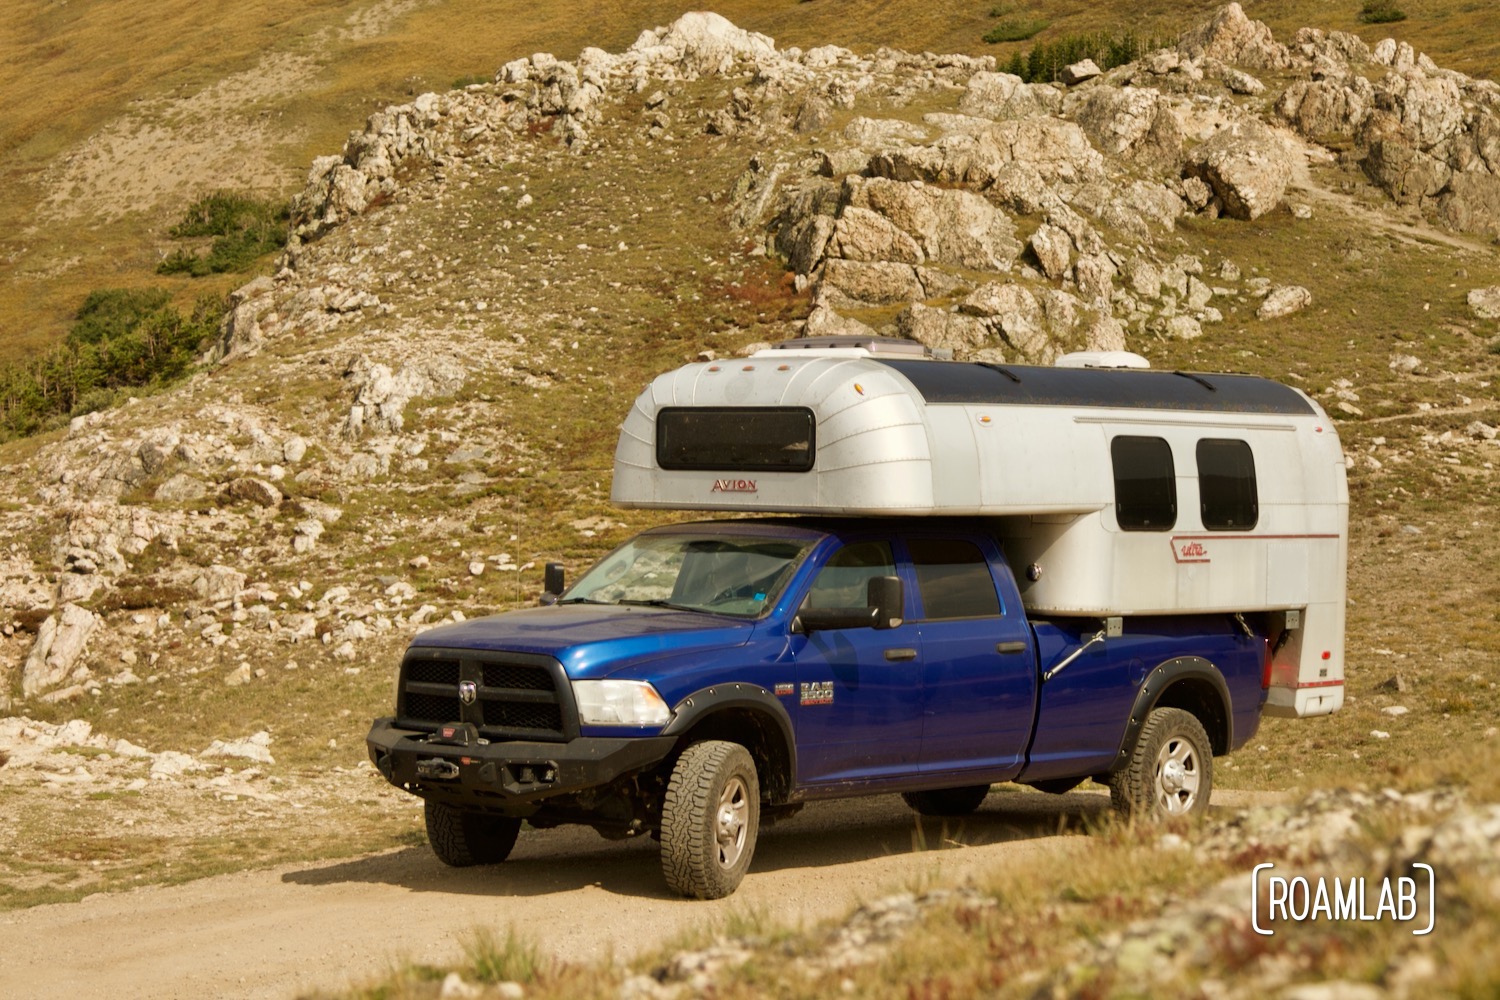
[(710, 819), (1150, 786), (947, 801), (462, 839)]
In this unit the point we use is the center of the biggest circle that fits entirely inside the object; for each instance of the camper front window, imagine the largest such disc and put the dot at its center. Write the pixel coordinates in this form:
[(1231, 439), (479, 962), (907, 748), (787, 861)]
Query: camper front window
[(716, 574)]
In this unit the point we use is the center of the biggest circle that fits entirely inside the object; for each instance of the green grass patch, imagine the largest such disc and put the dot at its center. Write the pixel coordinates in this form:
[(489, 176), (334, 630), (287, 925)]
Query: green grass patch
[(496, 959), (243, 229)]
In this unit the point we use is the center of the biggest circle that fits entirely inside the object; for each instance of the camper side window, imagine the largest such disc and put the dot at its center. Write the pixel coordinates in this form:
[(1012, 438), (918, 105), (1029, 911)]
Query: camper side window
[(1226, 485), (1145, 483)]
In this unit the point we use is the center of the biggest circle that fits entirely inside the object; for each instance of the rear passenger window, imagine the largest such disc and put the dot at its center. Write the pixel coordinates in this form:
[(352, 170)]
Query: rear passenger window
[(1226, 485), (954, 579), (1145, 483)]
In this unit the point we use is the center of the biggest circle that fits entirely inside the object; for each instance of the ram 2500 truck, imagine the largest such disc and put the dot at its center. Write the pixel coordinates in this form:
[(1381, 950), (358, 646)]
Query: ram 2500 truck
[(705, 676)]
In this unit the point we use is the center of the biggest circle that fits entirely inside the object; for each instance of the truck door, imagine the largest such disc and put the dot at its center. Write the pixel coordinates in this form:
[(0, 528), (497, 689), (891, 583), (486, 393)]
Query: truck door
[(978, 673), (859, 689)]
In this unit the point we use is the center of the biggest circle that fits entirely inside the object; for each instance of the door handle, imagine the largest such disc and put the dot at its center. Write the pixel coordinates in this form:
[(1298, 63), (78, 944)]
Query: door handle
[(904, 653), (1010, 647)]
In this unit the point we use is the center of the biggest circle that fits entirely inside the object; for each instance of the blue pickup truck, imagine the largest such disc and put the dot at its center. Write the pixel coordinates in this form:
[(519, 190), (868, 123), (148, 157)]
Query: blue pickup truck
[(991, 573), (707, 676)]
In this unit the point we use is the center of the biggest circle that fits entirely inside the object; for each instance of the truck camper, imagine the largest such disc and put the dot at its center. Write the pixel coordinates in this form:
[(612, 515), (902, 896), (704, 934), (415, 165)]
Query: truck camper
[(936, 576), (1115, 492)]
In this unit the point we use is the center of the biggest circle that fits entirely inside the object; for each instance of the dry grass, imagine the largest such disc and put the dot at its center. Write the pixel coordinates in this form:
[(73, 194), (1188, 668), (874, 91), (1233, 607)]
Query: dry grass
[(303, 74)]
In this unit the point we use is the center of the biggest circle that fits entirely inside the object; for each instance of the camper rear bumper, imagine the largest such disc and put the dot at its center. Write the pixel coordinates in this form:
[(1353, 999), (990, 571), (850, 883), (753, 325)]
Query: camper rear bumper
[(1322, 698)]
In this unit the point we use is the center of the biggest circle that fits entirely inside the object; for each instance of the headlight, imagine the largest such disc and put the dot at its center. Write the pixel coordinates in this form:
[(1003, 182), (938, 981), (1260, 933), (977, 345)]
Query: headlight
[(619, 703)]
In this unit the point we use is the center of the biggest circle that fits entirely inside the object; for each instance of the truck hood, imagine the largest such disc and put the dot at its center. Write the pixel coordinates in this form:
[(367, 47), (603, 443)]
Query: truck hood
[(593, 640)]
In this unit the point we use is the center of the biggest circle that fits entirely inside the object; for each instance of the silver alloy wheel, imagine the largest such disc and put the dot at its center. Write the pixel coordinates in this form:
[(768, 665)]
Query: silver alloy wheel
[(1177, 776), (729, 822)]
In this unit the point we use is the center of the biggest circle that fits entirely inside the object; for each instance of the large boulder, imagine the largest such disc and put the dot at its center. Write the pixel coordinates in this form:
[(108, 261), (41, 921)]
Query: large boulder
[(1247, 166), (1053, 250), (1230, 36), (1484, 303), (1396, 163), (1429, 109), (1136, 124), (1471, 204), (1023, 321), (1048, 149), (1332, 106), (862, 234), (1001, 95), (1318, 46), (825, 322), (1284, 301), (60, 644), (949, 226), (943, 329), (849, 284), (703, 42)]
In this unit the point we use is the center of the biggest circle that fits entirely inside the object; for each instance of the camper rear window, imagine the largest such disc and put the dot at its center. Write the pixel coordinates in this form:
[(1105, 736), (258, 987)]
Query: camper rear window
[(1226, 484), (735, 438), (1145, 483)]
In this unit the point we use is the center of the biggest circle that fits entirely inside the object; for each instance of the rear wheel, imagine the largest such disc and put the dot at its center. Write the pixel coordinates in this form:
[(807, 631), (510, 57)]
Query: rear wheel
[(1171, 772), (710, 819), (461, 838), (947, 801)]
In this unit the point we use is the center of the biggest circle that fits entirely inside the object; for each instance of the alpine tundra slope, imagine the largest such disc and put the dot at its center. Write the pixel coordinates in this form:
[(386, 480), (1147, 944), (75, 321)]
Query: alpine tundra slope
[(994, 573)]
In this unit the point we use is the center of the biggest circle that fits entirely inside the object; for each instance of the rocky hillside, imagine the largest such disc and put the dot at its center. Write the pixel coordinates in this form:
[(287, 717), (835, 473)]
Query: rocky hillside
[(419, 405)]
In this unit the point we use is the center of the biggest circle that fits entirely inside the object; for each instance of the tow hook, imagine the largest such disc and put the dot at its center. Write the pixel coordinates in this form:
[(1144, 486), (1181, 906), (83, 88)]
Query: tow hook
[(437, 769)]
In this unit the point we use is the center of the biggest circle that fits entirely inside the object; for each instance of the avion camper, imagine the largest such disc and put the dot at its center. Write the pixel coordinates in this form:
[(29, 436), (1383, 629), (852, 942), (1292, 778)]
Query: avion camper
[(1114, 491)]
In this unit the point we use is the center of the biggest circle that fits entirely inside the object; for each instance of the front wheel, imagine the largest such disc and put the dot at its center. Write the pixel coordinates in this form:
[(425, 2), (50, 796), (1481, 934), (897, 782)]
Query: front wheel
[(460, 838), (1171, 772), (710, 819), (947, 801)]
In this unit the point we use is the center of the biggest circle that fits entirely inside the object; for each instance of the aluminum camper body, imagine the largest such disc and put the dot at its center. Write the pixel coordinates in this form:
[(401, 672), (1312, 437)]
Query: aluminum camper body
[(1114, 492)]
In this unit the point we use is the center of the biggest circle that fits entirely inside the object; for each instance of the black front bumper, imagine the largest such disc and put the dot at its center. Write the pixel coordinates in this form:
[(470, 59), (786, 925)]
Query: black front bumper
[(509, 774)]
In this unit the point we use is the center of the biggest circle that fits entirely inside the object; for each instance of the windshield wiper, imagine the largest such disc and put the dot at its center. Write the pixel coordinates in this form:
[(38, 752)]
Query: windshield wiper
[(659, 603), (584, 600)]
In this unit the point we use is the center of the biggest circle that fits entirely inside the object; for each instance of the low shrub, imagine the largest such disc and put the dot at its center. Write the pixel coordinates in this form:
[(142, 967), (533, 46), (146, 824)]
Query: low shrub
[(244, 228), (121, 340), (1016, 29), (1381, 12)]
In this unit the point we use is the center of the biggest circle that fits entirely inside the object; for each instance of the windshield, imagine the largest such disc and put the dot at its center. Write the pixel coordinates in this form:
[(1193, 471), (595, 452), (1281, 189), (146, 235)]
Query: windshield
[(717, 574)]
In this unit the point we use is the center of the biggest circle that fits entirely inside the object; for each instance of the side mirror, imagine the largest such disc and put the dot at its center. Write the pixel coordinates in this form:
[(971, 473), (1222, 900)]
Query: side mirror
[(552, 583), (884, 603), (887, 599)]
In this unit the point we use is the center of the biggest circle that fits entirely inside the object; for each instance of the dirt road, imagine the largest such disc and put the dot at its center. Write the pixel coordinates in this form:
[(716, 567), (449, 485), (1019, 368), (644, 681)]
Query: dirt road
[(278, 932)]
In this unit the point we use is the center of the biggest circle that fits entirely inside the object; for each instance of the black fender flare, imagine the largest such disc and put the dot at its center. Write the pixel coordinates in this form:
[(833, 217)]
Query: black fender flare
[(716, 698), (1163, 676)]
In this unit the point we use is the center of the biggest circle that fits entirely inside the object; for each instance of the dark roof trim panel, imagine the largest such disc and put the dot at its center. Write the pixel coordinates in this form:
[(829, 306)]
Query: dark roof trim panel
[(1023, 385)]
